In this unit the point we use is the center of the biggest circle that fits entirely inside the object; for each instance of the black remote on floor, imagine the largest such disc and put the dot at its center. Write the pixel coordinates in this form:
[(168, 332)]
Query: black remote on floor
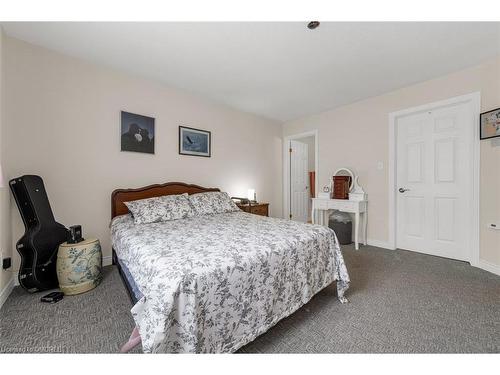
[(52, 297)]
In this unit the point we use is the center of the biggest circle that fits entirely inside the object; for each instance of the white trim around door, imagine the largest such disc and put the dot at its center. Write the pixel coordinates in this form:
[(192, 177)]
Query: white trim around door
[(475, 100), (286, 167)]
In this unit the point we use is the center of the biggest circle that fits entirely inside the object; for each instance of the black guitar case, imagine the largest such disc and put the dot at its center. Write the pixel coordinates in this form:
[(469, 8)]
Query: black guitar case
[(42, 237)]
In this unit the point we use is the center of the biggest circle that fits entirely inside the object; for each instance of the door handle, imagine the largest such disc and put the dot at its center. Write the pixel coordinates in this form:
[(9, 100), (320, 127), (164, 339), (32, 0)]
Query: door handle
[(402, 190)]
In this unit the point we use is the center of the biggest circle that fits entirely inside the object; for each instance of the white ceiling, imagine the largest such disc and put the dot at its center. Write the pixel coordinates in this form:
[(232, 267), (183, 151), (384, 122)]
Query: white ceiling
[(278, 70)]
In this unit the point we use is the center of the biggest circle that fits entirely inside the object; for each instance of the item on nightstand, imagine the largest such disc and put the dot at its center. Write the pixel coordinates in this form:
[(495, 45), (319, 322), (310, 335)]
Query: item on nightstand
[(79, 266), (252, 197), (75, 234)]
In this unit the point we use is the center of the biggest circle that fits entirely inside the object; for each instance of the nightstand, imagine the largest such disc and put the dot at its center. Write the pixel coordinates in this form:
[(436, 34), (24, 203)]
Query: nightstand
[(261, 209), (79, 266)]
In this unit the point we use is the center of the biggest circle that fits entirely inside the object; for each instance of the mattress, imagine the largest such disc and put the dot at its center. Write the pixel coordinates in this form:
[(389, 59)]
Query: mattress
[(213, 283), (133, 288)]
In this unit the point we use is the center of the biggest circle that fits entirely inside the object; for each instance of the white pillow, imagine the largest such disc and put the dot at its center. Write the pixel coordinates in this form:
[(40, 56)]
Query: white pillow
[(212, 203), (164, 208)]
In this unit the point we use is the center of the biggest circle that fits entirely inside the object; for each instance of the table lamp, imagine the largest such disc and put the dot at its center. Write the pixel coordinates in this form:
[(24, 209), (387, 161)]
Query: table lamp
[(251, 195)]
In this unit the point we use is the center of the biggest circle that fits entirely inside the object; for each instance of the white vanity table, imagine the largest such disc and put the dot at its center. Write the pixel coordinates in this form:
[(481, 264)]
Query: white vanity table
[(357, 204), (322, 207)]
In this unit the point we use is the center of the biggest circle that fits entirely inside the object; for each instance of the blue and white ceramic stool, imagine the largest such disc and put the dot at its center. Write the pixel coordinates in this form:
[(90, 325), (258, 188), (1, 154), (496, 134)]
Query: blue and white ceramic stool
[(79, 266)]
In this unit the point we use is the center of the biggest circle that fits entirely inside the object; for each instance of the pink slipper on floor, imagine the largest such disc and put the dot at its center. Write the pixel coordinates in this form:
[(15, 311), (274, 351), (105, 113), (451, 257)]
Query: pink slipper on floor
[(133, 341)]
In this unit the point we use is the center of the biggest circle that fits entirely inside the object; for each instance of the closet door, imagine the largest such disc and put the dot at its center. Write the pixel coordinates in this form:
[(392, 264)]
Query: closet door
[(434, 181)]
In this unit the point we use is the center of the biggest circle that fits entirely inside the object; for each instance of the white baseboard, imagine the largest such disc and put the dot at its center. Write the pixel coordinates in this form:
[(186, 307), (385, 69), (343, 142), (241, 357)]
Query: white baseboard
[(5, 293), (378, 243), (488, 266), (107, 261)]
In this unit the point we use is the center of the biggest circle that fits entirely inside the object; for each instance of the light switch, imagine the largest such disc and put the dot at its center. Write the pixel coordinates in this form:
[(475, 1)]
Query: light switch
[(380, 165)]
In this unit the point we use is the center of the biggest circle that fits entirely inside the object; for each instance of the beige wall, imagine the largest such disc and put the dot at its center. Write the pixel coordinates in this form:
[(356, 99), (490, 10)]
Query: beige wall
[(356, 136), (5, 237), (62, 122)]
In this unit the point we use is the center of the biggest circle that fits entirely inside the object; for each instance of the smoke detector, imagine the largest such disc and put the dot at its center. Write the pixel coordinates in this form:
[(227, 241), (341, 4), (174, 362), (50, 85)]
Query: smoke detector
[(312, 25)]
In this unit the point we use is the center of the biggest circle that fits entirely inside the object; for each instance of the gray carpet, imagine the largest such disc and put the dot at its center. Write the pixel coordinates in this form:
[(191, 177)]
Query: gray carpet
[(400, 302)]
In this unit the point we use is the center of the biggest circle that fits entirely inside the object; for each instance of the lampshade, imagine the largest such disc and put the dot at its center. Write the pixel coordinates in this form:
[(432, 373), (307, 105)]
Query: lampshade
[(251, 194)]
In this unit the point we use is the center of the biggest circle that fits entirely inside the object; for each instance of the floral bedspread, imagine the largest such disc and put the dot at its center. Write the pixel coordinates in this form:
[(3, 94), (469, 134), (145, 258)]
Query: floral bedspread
[(213, 283)]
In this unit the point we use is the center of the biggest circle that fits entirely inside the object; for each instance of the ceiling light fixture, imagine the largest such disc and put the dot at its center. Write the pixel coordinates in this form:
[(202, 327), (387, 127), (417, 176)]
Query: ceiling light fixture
[(312, 25)]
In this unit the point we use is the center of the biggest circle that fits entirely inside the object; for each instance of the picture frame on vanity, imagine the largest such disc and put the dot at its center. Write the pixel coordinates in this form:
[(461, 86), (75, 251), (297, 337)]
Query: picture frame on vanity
[(195, 142)]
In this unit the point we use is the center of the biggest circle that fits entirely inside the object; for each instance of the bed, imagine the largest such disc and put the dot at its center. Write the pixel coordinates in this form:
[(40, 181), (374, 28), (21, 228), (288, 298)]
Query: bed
[(213, 283)]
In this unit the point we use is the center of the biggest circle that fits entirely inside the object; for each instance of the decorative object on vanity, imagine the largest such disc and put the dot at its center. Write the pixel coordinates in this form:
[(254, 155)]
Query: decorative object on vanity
[(342, 182), (79, 266), (42, 236), (340, 187), (357, 193), (490, 124), (256, 208), (137, 133), (325, 194), (195, 142), (347, 173)]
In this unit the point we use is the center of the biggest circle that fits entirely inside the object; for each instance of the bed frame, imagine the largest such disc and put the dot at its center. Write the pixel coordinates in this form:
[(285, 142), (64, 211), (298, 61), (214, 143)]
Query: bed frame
[(118, 207)]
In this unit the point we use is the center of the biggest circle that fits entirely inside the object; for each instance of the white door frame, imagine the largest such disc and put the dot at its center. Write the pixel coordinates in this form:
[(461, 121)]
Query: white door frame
[(286, 167), (475, 99)]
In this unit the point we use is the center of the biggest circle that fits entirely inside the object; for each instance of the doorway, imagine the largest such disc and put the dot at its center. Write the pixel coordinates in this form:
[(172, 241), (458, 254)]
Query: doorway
[(300, 175), (434, 178)]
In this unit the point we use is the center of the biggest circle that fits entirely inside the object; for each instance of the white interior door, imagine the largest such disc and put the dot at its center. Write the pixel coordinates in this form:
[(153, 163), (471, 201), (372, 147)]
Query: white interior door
[(434, 181), (299, 182)]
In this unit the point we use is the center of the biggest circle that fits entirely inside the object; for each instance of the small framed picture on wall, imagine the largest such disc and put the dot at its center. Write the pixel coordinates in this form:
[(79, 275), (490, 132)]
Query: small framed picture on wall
[(194, 142), (137, 133), (490, 124)]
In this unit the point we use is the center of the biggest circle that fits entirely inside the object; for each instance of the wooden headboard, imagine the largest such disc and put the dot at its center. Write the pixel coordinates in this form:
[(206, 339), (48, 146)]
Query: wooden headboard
[(170, 188)]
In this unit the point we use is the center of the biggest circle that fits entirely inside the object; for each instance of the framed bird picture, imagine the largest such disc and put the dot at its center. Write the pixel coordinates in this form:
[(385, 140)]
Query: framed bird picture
[(194, 142), (490, 124)]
